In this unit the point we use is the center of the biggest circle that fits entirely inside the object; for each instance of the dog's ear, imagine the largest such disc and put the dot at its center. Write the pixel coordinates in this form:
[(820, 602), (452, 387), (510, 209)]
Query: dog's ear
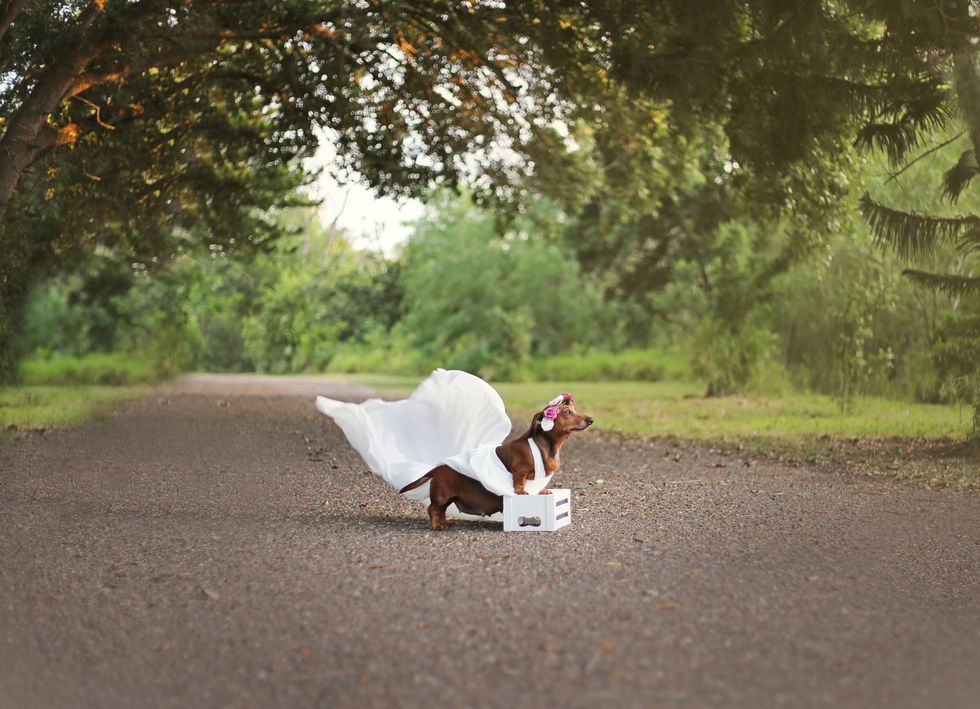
[(536, 423)]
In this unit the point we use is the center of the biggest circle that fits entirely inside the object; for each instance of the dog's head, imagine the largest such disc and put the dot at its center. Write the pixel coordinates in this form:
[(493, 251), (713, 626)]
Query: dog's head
[(560, 417)]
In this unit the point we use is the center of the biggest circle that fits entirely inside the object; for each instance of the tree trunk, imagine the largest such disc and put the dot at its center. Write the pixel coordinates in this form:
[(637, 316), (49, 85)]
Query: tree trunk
[(14, 269), (967, 84)]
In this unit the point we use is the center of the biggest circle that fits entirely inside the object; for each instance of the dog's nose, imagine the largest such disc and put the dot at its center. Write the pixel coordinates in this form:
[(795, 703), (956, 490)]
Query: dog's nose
[(589, 420)]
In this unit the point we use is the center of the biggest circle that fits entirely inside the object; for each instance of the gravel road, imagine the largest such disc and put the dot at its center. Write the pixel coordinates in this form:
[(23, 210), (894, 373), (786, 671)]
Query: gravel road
[(218, 544)]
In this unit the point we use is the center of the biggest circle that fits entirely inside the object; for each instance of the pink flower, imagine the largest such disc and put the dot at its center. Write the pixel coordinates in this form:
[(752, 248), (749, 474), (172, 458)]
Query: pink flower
[(570, 397), (551, 412)]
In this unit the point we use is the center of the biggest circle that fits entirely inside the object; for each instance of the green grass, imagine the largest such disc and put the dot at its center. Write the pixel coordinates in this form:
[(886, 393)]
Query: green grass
[(63, 390), (923, 442), (111, 368), (675, 408), (26, 407)]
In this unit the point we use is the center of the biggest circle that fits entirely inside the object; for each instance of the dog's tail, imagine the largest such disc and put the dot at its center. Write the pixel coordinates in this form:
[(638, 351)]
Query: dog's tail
[(418, 483)]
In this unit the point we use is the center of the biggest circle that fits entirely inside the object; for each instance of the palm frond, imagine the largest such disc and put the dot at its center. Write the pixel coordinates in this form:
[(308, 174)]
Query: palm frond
[(911, 234), (948, 284), (896, 140), (898, 126), (958, 177), (969, 241)]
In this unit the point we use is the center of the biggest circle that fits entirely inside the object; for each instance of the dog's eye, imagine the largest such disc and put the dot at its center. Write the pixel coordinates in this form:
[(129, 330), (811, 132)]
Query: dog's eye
[(568, 412)]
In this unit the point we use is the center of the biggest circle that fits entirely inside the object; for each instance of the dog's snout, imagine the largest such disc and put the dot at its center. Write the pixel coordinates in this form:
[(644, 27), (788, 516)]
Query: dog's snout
[(589, 420)]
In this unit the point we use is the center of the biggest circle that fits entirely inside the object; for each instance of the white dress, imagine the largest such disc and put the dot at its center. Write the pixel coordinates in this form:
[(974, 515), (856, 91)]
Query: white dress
[(452, 417)]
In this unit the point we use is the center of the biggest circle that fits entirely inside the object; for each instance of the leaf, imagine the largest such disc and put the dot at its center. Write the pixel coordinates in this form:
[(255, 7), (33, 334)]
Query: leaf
[(944, 283), (911, 234), (958, 177)]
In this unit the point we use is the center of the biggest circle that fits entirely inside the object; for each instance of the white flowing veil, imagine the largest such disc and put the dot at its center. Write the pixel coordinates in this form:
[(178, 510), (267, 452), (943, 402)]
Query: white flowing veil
[(449, 414)]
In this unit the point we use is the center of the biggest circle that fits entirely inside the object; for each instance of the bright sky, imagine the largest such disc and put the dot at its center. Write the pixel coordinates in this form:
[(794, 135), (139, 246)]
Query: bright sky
[(372, 222)]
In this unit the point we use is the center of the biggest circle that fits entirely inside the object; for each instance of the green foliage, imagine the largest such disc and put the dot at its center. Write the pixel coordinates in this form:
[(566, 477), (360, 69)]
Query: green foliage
[(730, 361), (650, 365), (159, 129), (868, 292), (390, 354), (699, 172), (323, 298), (912, 235), (285, 311), (924, 238), (56, 320), (485, 302), (957, 354), (15, 267), (850, 325), (158, 328)]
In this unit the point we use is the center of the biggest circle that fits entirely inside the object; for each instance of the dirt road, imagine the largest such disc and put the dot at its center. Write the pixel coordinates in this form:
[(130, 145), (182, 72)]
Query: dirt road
[(220, 545)]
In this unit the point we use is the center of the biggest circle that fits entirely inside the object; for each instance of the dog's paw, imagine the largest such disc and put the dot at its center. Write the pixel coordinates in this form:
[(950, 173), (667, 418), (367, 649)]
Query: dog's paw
[(545, 492), (521, 492)]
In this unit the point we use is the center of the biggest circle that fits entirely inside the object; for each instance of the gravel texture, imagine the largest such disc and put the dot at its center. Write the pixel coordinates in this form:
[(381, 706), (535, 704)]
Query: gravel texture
[(220, 545)]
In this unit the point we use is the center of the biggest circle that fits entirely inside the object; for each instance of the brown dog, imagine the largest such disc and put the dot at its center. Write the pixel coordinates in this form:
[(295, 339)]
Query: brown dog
[(449, 486)]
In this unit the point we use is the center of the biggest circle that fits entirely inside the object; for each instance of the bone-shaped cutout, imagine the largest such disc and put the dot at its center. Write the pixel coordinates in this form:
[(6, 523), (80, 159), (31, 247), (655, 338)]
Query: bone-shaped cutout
[(528, 521)]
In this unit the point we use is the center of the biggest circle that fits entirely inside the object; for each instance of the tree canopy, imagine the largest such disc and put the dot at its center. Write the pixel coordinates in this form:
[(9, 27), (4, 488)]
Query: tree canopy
[(156, 126)]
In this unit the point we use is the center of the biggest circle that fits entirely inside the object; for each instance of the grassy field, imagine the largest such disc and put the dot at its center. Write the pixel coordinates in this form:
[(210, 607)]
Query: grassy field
[(679, 409), (922, 442), (25, 407), (58, 391)]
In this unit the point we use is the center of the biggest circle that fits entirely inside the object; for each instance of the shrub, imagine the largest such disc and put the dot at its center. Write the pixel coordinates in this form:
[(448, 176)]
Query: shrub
[(746, 359), (649, 365)]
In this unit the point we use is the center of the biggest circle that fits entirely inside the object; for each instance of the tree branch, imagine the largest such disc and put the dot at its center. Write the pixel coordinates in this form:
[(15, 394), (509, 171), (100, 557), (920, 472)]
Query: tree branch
[(930, 151), (165, 59), (196, 43), (23, 139), (98, 112)]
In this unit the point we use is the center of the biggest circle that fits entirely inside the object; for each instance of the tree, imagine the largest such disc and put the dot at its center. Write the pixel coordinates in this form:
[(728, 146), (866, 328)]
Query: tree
[(793, 86), (948, 33), (156, 126), (485, 302)]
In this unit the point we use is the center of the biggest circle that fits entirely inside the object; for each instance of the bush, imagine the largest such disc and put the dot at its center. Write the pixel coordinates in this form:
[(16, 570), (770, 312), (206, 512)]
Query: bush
[(734, 361), (381, 353), (647, 365), (488, 302)]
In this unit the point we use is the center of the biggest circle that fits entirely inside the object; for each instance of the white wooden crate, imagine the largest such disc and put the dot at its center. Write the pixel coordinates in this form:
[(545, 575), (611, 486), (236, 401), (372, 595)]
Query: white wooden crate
[(538, 513)]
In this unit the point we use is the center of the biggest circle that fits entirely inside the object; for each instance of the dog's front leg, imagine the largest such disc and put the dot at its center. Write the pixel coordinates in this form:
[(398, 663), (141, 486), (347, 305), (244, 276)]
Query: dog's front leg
[(519, 481)]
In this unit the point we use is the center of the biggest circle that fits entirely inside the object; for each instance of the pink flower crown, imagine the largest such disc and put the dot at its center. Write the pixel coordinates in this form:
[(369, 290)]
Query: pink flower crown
[(551, 411)]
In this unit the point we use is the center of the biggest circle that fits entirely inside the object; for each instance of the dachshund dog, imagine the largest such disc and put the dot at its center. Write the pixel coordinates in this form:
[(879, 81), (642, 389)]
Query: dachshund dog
[(449, 486)]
